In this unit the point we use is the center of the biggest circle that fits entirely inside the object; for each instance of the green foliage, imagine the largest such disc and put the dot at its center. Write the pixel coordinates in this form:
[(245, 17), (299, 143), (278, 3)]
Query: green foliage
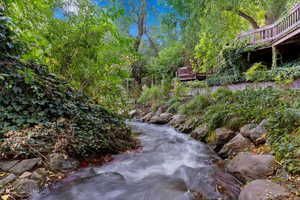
[(168, 61), (85, 47), (233, 59), (171, 93), (30, 95), (284, 136), (9, 46), (254, 70), (282, 75), (151, 95), (196, 105), (225, 79)]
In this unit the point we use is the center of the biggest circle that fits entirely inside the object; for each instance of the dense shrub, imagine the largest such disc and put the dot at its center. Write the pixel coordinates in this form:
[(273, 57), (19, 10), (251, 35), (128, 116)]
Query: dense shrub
[(30, 95), (195, 105), (254, 70), (225, 79), (280, 75)]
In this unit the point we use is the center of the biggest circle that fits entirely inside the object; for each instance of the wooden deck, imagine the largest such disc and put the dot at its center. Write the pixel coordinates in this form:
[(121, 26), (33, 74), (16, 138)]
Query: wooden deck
[(277, 33)]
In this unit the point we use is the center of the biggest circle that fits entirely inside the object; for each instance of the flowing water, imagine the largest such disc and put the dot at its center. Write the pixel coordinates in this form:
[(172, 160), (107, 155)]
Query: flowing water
[(171, 166)]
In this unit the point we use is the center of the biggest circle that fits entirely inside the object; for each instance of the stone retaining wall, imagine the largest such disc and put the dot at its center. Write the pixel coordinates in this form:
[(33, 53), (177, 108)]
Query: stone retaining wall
[(243, 86)]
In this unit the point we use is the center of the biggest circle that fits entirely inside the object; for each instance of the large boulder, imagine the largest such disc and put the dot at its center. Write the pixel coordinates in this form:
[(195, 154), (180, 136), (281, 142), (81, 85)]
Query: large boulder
[(222, 136), (7, 165), (133, 113), (177, 120), (187, 127), (249, 166), (163, 118), (147, 117), (246, 130), (200, 133), (7, 179), (60, 162), (263, 190), (257, 133), (238, 144), (24, 165)]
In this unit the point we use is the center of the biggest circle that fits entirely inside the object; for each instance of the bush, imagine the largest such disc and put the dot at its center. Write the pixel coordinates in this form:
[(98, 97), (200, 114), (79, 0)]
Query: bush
[(254, 72), (282, 75), (224, 79), (150, 95), (195, 106), (30, 95), (284, 136)]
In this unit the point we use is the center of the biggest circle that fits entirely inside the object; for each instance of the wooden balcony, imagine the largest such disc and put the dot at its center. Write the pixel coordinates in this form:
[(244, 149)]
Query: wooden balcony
[(272, 35)]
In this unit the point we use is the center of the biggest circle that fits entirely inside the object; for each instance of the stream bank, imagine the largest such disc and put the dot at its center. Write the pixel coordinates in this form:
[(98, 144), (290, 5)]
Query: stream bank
[(245, 155), (171, 166)]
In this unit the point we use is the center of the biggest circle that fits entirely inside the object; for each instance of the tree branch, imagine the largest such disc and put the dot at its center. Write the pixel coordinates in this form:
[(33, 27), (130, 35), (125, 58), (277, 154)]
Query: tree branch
[(250, 19), (247, 17)]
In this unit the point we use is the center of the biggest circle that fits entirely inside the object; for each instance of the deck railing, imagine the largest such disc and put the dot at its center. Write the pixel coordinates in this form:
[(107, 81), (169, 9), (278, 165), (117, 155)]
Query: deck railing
[(274, 32)]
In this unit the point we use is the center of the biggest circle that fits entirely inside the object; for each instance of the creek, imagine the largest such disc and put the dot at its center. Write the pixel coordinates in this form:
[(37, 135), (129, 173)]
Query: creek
[(171, 166)]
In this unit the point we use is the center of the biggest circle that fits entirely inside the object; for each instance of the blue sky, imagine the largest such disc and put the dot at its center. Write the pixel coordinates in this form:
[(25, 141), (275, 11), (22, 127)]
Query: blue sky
[(152, 18)]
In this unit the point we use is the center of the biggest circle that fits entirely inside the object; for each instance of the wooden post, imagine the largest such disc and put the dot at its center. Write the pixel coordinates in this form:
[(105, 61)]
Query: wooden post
[(274, 57)]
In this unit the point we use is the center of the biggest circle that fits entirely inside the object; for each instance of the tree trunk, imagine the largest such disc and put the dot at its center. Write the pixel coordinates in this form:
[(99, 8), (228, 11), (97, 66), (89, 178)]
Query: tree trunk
[(152, 44), (141, 25), (250, 19)]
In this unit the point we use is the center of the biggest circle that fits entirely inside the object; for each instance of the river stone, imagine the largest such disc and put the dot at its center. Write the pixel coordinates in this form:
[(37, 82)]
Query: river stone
[(222, 136), (205, 180), (246, 130), (24, 165), (200, 133), (177, 120), (8, 179), (60, 162), (187, 127), (249, 166), (163, 118), (263, 190), (7, 165), (132, 113), (236, 145), (161, 110), (255, 132), (39, 174), (147, 117), (26, 187)]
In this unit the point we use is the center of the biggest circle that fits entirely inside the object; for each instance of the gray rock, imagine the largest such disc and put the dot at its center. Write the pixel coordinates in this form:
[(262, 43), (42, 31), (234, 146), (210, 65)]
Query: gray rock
[(222, 136), (236, 145), (7, 165), (60, 162), (249, 166), (39, 174), (187, 127), (263, 190), (147, 117), (246, 130), (26, 187), (255, 133), (160, 110), (132, 113), (163, 118), (200, 133), (177, 120), (24, 165), (8, 179)]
